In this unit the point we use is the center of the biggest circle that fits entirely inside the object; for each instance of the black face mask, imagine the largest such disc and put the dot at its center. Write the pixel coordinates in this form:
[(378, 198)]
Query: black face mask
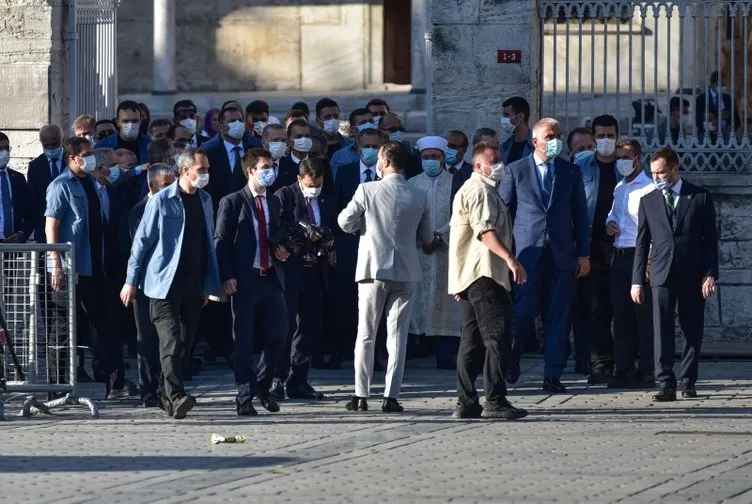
[(105, 133)]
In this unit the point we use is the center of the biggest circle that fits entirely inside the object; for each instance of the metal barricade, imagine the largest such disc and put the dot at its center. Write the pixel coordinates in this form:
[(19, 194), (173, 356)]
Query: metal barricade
[(652, 66), (41, 326)]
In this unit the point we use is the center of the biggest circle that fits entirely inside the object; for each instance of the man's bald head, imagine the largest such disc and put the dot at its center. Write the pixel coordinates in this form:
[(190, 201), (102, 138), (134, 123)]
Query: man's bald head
[(50, 133)]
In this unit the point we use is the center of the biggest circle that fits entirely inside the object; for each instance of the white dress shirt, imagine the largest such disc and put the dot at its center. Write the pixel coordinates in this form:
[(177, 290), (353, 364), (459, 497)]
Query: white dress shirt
[(4, 173), (626, 205), (297, 160), (257, 257), (363, 169), (231, 153)]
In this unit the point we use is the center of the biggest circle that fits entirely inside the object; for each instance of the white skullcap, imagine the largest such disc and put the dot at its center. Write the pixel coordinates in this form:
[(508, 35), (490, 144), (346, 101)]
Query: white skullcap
[(431, 142)]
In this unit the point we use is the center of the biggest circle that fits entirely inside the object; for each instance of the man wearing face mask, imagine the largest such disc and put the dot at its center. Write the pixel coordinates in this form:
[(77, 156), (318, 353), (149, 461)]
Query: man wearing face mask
[(546, 196), (719, 103), (225, 153), (678, 123), (633, 323), (128, 137), (327, 117), (274, 139), (391, 126), (676, 233), (378, 109), (460, 169), (173, 261), (306, 282), (103, 129), (480, 263), (391, 218), (300, 144), (252, 274), (185, 114), (74, 214), (16, 208), (599, 175), (435, 314), (84, 126), (43, 170), (360, 120), (515, 114), (256, 118)]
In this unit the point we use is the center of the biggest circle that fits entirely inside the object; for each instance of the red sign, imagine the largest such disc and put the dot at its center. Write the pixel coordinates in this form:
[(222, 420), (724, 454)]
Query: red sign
[(509, 56)]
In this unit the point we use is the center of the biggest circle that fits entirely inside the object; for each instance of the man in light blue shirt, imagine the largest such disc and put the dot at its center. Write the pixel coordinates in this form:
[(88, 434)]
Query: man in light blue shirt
[(173, 260)]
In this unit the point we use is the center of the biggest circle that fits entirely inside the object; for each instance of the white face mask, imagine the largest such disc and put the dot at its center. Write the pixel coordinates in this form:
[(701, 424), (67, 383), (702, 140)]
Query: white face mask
[(190, 125), (90, 138), (4, 158), (303, 144), (277, 149), (310, 192), (129, 131), (201, 181), (605, 146), (331, 126), (625, 167), (497, 172), (507, 126), (236, 129), (90, 164), (258, 127)]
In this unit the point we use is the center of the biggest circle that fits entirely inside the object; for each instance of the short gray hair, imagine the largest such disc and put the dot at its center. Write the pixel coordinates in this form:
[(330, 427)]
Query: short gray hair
[(156, 171), (546, 121), (188, 157), (104, 156)]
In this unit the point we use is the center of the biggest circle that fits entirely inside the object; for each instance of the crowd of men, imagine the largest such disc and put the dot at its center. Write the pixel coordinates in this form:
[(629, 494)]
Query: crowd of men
[(313, 239)]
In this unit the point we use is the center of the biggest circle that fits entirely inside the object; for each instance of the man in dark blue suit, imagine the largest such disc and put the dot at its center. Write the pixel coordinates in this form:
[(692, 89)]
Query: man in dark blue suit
[(128, 135), (306, 280), (225, 153), (676, 235), (547, 198), (43, 170), (252, 274), (16, 208)]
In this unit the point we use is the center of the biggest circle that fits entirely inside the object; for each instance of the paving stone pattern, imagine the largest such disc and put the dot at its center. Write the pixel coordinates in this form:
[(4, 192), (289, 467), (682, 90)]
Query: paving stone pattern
[(590, 445)]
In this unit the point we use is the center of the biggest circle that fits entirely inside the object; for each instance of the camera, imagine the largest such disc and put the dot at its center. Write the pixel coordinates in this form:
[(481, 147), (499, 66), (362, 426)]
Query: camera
[(311, 242)]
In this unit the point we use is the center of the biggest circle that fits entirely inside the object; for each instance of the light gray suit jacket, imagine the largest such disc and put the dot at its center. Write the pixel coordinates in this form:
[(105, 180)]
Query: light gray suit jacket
[(392, 219)]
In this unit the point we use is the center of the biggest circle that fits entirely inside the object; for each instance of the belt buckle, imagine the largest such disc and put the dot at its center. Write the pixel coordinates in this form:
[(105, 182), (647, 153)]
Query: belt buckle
[(263, 272)]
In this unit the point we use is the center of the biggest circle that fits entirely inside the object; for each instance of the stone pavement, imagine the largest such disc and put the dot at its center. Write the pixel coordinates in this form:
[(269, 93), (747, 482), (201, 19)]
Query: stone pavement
[(590, 445)]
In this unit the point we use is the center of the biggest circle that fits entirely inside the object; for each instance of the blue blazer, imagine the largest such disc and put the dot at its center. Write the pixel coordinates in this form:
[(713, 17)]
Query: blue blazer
[(563, 224), (235, 238), (222, 180), (113, 142)]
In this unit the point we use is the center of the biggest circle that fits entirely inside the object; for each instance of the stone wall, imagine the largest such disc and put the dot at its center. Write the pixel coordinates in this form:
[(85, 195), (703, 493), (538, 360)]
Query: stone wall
[(469, 84), (32, 63), (257, 45)]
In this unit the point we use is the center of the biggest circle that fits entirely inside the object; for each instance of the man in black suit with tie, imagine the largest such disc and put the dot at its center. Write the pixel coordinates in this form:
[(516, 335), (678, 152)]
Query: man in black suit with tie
[(300, 142), (677, 237), (185, 114), (306, 280), (719, 104), (42, 170), (225, 154), (17, 212), (252, 274)]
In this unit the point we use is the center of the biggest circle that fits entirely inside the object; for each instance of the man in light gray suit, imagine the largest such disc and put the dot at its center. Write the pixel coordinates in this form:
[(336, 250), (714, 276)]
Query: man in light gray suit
[(392, 220)]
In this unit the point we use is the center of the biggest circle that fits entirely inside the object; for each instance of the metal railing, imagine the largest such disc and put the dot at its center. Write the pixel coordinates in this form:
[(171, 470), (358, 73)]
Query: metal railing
[(650, 64), (96, 55), (40, 322)]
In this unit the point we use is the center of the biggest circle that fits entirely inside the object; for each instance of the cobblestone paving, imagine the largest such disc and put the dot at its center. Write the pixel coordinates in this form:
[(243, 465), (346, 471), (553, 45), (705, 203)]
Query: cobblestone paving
[(590, 445)]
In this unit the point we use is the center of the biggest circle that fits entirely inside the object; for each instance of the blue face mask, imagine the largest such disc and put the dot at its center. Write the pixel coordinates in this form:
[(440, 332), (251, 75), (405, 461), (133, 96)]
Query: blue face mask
[(53, 154), (114, 174), (662, 185), (266, 177), (396, 136), (368, 125), (451, 156), (369, 156), (553, 148), (432, 167), (583, 157)]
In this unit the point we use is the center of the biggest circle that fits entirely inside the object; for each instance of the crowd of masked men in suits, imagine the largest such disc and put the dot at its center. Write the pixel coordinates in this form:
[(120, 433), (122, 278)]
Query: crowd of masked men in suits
[(227, 231)]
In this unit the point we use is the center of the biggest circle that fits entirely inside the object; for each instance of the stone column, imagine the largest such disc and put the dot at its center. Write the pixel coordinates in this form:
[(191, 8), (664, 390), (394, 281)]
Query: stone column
[(419, 28), (164, 47), (469, 84)]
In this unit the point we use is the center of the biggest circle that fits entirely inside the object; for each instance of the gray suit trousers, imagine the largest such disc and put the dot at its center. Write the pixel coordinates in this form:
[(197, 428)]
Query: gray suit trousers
[(375, 297)]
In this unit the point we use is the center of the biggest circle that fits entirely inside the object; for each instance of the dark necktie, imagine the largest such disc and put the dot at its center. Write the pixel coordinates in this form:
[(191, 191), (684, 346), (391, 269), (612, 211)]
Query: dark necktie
[(669, 196), (7, 204), (238, 160), (53, 170), (452, 169), (547, 176), (263, 239), (369, 174), (311, 215)]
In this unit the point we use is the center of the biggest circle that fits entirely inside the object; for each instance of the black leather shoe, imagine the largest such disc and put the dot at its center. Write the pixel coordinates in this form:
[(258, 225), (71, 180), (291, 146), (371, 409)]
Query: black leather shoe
[(599, 377), (688, 391), (666, 394), (182, 406), (513, 371), (357, 403), (462, 410), (390, 405), (503, 411), (554, 386), (246, 409), (277, 391), (268, 402), (304, 392)]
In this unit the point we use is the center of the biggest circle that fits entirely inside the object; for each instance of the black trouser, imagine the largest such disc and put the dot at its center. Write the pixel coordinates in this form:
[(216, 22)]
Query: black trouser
[(687, 293), (633, 323), (264, 301), (305, 304), (486, 315), (595, 311), (215, 325), (175, 319), (149, 367), (94, 298)]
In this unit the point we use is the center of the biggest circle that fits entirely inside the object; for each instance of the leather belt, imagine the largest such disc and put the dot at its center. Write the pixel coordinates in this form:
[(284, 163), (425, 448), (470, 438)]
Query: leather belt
[(624, 251), (262, 272)]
